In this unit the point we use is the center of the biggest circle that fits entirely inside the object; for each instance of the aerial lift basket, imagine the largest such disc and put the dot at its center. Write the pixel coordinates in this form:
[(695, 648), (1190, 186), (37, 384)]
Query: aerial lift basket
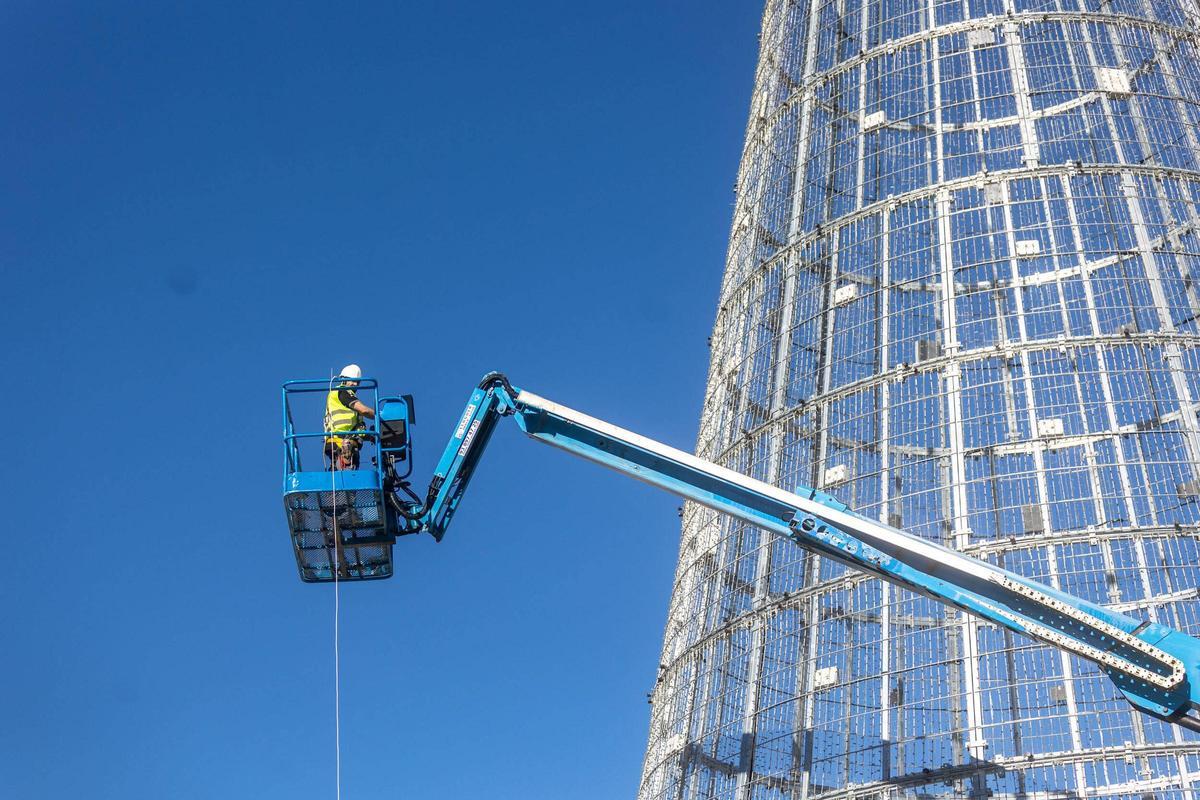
[(339, 519)]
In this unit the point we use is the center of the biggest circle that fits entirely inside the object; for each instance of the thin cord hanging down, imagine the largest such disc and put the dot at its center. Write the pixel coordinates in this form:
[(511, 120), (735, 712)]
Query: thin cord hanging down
[(336, 565)]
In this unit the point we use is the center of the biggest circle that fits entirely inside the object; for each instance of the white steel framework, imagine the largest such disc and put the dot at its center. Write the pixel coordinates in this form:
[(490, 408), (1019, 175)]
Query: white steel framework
[(962, 296)]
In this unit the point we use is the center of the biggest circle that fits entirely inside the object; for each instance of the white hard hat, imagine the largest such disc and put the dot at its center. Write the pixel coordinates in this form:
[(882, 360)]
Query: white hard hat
[(351, 371)]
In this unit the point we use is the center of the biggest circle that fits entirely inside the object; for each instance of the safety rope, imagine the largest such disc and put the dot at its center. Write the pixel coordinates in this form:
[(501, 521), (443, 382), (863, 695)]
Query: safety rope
[(335, 562)]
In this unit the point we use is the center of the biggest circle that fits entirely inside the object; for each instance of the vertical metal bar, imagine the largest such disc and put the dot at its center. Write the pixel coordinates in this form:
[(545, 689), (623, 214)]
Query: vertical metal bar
[(885, 484), (806, 114), (808, 685), (828, 317), (806, 666), (1043, 491), (952, 382), (1030, 150), (766, 543)]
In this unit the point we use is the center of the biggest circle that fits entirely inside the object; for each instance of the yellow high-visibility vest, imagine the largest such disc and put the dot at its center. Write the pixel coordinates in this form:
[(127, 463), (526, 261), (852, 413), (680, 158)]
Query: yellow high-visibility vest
[(339, 418)]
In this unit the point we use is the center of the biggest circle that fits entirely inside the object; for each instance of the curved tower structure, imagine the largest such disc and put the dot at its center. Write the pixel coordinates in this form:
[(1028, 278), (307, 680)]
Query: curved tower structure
[(961, 295)]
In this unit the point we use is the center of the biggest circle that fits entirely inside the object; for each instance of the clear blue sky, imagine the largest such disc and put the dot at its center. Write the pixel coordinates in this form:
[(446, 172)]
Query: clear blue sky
[(201, 201)]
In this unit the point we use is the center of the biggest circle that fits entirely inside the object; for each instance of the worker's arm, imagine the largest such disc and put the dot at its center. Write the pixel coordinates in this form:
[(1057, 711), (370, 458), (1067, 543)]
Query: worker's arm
[(363, 409)]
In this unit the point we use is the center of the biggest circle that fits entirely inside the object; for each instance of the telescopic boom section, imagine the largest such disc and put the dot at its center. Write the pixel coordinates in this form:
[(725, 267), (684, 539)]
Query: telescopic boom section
[(1156, 667)]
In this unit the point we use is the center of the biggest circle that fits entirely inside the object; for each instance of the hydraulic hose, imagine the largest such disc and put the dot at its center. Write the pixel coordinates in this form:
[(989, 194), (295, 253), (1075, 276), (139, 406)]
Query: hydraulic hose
[(417, 514), (494, 378)]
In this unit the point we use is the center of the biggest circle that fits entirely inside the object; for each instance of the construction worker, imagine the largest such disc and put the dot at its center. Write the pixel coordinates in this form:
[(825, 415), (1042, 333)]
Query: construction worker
[(344, 412)]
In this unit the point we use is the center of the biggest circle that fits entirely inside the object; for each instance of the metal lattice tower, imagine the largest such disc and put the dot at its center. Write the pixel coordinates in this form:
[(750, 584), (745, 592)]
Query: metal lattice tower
[(961, 295)]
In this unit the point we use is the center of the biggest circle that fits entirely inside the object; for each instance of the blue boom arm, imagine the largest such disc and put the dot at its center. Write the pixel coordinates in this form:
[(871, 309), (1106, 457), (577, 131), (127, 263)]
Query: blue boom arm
[(1156, 667)]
